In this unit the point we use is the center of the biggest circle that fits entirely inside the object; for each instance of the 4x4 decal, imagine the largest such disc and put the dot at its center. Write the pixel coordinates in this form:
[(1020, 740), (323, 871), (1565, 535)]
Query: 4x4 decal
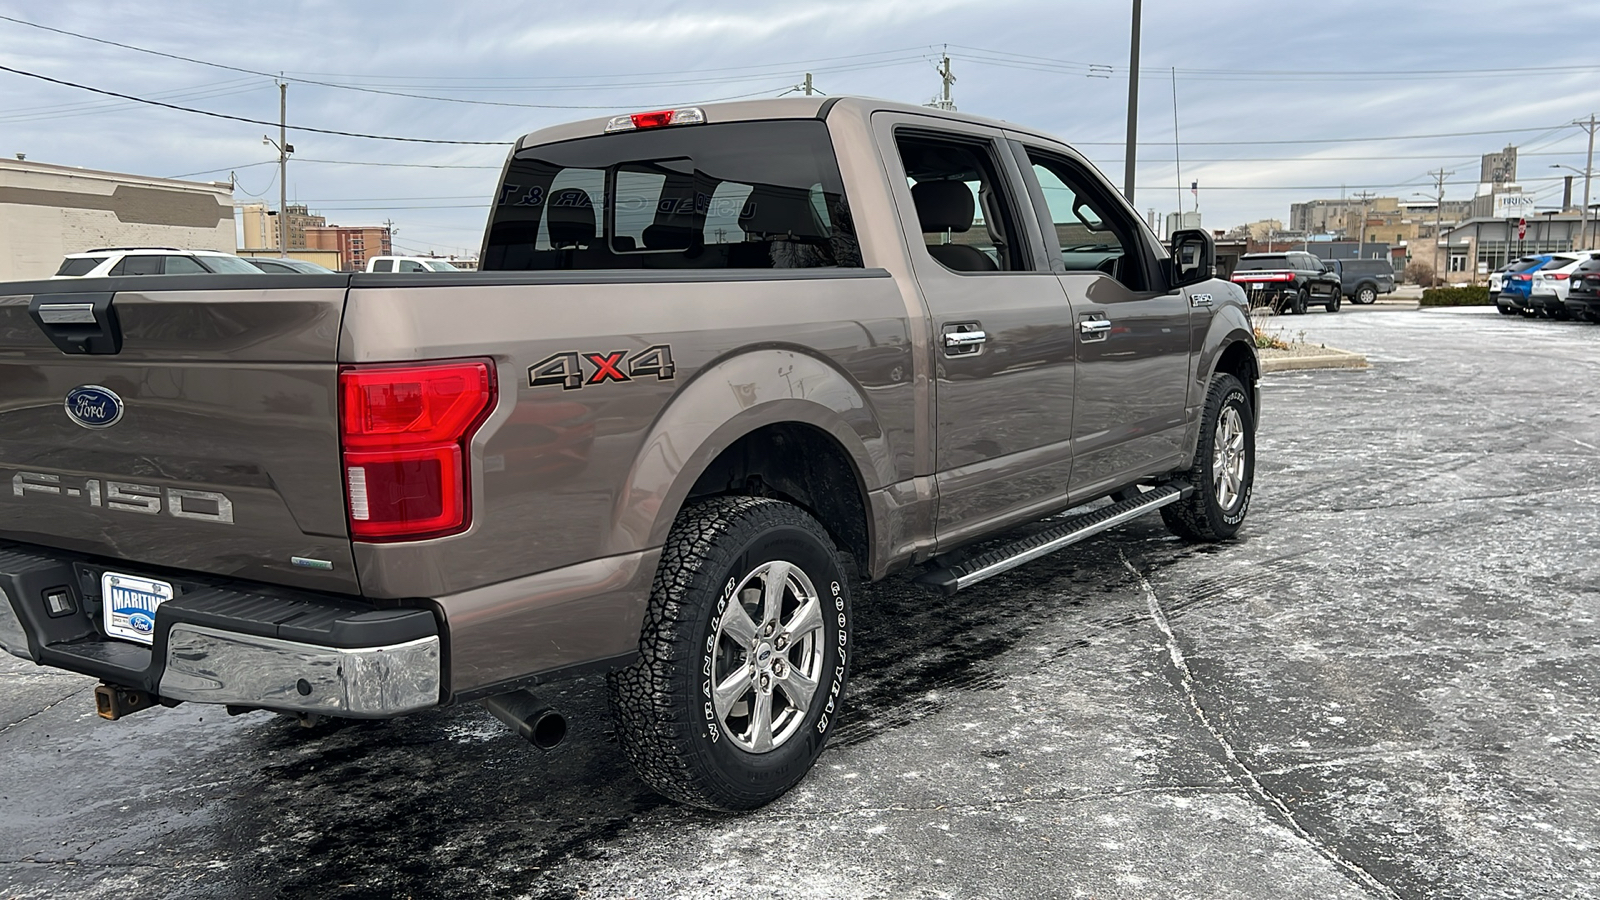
[(566, 369)]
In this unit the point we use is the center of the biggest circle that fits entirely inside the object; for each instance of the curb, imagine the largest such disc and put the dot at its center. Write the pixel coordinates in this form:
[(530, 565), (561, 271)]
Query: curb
[(1328, 358)]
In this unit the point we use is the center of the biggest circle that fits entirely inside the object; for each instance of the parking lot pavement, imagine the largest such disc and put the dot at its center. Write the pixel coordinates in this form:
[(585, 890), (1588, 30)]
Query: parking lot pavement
[(1385, 688)]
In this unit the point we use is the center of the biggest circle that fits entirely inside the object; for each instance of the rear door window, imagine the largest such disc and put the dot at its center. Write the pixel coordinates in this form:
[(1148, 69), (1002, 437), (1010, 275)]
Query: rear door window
[(383, 265), (138, 265), (739, 195)]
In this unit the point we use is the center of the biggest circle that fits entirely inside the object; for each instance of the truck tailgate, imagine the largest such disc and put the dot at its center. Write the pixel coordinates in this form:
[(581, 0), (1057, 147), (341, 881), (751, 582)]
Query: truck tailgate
[(207, 442)]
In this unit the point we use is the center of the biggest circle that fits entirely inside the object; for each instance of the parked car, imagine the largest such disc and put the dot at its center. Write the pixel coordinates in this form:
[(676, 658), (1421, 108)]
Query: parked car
[(1362, 280), (278, 265), (409, 264), (1551, 281), (1583, 293), (1516, 289), (1287, 282), (117, 261), (660, 439)]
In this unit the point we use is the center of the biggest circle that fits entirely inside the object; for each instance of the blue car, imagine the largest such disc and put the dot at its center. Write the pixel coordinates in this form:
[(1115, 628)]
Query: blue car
[(1516, 290)]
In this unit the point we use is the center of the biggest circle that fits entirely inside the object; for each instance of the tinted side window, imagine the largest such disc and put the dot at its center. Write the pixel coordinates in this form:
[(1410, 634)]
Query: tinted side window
[(182, 265), (79, 266), (963, 205), (411, 265), (383, 265), (137, 265)]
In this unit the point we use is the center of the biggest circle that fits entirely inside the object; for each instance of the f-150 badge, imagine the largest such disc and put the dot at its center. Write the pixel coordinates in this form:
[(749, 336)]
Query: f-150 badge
[(567, 369)]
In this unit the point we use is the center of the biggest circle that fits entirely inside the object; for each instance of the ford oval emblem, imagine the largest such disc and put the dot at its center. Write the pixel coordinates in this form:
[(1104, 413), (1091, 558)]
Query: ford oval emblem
[(93, 406)]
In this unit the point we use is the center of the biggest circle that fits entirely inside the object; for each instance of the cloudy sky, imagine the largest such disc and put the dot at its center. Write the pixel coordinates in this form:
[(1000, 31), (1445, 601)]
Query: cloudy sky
[(1276, 102)]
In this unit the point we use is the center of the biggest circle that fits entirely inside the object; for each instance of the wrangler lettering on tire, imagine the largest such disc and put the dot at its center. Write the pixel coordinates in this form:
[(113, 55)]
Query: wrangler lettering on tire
[(743, 657)]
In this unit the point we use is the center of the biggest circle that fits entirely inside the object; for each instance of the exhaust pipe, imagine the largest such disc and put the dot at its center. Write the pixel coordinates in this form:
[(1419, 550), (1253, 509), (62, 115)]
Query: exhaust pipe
[(528, 716)]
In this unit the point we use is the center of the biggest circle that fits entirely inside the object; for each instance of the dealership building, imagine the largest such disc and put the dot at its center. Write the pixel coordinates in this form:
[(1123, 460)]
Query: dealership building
[(48, 211)]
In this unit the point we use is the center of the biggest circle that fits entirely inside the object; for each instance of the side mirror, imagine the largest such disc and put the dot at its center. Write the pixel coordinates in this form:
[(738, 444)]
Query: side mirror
[(1194, 257)]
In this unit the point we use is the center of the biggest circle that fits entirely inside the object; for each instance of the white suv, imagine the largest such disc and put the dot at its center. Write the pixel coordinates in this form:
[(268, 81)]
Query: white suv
[(151, 261)]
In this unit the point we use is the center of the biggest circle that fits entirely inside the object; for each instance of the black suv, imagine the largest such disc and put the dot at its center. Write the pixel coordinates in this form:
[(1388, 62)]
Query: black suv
[(1287, 282), (1583, 296)]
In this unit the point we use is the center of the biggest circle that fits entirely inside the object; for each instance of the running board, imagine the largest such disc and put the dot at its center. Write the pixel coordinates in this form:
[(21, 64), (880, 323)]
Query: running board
[(1003, 559)]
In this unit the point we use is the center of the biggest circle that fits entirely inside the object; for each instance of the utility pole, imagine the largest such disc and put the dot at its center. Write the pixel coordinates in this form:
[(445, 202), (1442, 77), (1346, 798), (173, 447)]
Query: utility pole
[(1132, 153), (1361, 243), (283, 169), (1438, 218), (1588, 172), (1177, 156), (808, 84), (944, 73)]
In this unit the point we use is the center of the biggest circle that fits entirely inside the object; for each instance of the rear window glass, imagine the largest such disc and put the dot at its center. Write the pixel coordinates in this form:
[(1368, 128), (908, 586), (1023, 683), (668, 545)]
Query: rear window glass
[(1524, 265), (80, 266), (1263, 262), (743, 195)]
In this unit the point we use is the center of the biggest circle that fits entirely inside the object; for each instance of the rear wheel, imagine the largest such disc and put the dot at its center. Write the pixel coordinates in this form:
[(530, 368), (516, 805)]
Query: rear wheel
[(1223, 471), (1366, 294), (742, 658), (1300, 300)]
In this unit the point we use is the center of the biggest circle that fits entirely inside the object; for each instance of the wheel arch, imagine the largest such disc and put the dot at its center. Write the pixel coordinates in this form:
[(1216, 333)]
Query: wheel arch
[(799, 427)]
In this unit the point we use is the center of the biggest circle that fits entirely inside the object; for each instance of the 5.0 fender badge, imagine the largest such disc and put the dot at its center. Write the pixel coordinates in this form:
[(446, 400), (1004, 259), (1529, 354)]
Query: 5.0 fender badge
[(93, 406)]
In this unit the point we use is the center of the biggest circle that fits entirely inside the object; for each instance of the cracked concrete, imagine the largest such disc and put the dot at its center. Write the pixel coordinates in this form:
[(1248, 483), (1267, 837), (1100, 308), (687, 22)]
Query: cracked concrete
[(1385, 688)]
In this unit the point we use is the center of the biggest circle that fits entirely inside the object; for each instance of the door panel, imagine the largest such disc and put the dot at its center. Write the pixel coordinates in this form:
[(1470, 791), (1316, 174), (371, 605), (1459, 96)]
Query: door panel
[(1132, 336), (1002, 337)]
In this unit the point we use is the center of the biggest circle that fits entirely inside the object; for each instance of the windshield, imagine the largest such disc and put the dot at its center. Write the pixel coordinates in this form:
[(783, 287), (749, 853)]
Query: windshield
[(742, 195), (228, 264), (1263, 262), (440, 266)]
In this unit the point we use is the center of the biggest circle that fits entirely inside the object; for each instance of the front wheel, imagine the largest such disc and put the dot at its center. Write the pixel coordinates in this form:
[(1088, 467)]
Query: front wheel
[(1223, 472), (1334, 301), (742, 658)]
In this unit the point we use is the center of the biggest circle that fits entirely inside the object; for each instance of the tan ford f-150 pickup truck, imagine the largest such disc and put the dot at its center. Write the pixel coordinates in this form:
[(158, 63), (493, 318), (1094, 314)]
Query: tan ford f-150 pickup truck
[(720, 363)]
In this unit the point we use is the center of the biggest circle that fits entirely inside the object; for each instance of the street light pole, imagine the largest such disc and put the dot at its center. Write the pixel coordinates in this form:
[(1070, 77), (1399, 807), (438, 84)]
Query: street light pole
[(1588, 170), (1131, 155)]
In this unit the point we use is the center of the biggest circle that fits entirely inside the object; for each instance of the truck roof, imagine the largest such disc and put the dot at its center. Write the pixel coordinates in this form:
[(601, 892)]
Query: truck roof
[(773, 108)]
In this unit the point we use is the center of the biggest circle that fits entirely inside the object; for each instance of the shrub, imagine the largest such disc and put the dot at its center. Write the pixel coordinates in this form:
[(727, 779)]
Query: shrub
[(1269, 340), (1456, 296), (1420, 273)]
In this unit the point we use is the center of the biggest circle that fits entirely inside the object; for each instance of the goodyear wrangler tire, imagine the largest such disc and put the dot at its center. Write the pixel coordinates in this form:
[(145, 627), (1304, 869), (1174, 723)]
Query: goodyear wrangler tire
[(743, 656), (1223, 471)]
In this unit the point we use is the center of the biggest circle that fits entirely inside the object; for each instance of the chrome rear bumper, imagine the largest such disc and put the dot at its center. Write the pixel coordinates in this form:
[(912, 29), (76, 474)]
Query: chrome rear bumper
[(207, 665)]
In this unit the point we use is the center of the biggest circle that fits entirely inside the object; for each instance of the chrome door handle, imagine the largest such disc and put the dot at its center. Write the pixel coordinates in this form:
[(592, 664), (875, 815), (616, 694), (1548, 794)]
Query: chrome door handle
[(964, 338), (1095, 326)]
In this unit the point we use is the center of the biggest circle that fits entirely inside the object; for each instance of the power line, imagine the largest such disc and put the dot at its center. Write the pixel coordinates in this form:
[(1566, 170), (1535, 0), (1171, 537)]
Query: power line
[(217, 115), (1360, 140), (407, 95)]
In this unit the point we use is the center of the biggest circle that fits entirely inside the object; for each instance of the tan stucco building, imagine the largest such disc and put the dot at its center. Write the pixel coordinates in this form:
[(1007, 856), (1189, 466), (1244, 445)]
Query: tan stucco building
[(48, 211)]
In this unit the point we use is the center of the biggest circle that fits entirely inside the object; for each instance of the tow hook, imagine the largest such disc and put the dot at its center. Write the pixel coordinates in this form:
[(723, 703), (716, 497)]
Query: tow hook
[(113, 701), (537, 723)]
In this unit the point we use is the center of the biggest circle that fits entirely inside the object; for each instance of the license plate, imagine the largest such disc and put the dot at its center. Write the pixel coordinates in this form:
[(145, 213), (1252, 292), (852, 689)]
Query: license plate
[(1257, 286), (130, 605)]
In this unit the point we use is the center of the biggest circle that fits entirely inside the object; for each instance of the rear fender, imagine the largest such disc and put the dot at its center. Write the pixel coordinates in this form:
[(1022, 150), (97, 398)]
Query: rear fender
[(725, 402)]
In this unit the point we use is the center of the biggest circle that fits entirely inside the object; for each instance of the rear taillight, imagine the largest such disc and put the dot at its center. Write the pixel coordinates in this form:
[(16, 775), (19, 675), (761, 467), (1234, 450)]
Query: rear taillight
[(404, 430), (1558, 276)]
